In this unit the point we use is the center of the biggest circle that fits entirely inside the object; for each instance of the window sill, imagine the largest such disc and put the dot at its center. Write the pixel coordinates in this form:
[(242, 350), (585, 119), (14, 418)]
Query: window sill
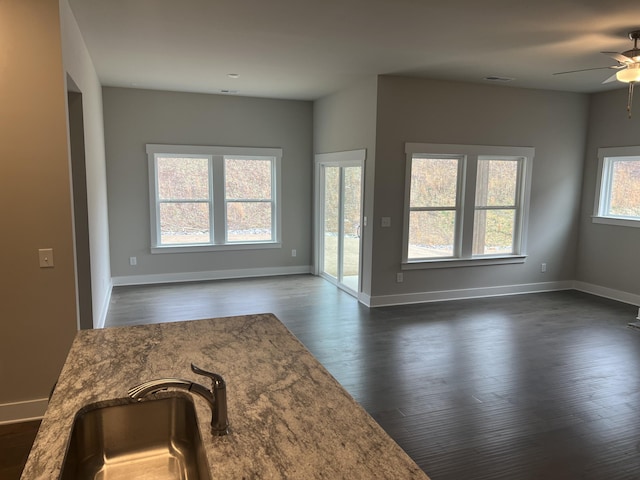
[(214, 248), (463, 262), (620, 222)]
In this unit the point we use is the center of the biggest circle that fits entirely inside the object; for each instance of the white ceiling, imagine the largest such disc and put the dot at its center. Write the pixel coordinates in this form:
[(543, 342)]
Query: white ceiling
[(304, 49)]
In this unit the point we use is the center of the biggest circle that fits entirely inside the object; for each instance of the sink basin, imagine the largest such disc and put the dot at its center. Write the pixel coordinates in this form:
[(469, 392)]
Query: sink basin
[(154, 439)]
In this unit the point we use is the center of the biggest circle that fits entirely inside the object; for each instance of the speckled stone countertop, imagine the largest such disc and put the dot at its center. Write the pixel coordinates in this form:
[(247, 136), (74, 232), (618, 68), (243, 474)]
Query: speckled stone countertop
[(289, 418)]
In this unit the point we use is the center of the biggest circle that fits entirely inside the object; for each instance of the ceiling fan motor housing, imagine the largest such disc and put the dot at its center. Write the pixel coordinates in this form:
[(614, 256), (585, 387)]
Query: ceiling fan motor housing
[(634, 53)]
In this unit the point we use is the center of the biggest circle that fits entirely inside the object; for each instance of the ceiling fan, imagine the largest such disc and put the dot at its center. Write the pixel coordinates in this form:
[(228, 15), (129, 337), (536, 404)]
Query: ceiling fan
[(628, 67)]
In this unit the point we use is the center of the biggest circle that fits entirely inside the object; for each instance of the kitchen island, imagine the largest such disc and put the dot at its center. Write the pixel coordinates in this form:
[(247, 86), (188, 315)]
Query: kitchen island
[(289, 418)]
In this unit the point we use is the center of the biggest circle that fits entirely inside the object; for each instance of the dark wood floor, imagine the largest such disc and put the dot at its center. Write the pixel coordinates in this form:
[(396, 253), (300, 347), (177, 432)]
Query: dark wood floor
[(520, 387), (15, 442)]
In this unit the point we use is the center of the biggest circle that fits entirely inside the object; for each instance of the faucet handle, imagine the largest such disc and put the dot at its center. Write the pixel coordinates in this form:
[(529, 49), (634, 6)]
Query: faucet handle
[(219, 419), (216, 380)]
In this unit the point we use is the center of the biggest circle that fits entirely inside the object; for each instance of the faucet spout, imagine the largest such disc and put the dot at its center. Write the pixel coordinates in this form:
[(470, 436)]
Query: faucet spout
[(216, 397)]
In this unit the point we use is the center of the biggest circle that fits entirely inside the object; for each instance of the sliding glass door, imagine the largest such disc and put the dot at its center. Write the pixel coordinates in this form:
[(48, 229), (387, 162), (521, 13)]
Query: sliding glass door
[(339, 186)]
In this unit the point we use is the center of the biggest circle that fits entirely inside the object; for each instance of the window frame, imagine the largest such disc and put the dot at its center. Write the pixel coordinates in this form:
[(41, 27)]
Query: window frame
[(467, 183), (606, 157), (218, 204)]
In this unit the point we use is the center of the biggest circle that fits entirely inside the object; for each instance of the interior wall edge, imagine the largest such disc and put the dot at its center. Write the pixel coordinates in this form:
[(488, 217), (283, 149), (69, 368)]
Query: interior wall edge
[(102, 317)]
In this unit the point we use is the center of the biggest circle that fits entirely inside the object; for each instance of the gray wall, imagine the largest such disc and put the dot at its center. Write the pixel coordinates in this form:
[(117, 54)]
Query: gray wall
[(346, 120), (608, 254), (134, 117), (555, 123)]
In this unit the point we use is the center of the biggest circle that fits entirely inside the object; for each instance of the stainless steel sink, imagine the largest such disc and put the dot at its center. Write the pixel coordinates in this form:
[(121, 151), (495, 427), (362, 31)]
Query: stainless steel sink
[(152, 439)]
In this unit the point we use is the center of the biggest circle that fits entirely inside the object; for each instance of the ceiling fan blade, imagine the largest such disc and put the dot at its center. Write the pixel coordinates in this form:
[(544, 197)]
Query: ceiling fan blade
[(619, 57), (612, 78), (615, 67)]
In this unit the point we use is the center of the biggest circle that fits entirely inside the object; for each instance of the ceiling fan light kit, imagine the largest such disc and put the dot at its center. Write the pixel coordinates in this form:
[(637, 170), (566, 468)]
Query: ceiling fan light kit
[(629, 74), (628, 67)]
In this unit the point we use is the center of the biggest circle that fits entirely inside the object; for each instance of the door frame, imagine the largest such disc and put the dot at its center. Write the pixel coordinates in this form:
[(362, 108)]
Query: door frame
[(337, 159)]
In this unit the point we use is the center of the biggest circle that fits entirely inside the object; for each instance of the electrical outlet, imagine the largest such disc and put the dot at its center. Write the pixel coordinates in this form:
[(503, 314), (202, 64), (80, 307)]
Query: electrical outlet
[(543, 267), (399, 277), (133, 261), (385, 222), (293, 252)]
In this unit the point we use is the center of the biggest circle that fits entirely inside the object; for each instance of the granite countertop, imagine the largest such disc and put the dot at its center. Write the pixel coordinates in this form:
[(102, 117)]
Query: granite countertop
[(289, 418)]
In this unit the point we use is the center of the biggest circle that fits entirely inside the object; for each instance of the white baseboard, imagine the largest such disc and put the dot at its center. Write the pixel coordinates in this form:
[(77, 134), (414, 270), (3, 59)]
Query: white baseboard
[(22, 411), (620, 296), (364, 299), (209, 275), (442, 295)]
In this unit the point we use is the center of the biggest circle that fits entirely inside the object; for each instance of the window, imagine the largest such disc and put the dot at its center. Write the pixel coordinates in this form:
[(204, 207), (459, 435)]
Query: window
[(496, 205), (212, 198), (249, 199), (184, 200), (434, 206), (465, 205), (618, 189)]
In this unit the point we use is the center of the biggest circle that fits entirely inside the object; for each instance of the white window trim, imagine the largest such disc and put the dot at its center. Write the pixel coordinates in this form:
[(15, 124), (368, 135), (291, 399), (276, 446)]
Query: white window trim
[(216, 156), (598, 206), (469, 155)]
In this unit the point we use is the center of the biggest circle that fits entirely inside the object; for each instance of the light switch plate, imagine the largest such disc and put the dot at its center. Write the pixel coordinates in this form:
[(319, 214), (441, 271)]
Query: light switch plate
[(46, 257)]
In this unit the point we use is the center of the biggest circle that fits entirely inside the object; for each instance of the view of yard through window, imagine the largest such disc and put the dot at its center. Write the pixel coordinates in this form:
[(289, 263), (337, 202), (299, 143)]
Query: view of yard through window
[(350, 222), (435, 199), (184, 196), (624, 200), (183, 191), (433, 202), (248, 190), (495, 221)]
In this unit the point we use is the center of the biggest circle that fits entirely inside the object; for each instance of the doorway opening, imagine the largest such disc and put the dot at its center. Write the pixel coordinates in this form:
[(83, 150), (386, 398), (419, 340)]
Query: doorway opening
[(80, 207)]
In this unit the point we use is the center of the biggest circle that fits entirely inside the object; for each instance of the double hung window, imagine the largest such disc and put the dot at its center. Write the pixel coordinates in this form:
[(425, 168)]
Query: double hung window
[(618, 189), (496, 209), (209, 198), (465, 204), (434, 205)]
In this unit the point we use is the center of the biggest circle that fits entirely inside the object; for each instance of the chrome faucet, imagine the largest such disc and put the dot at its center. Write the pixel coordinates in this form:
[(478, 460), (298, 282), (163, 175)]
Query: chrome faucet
[(216, 397)]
